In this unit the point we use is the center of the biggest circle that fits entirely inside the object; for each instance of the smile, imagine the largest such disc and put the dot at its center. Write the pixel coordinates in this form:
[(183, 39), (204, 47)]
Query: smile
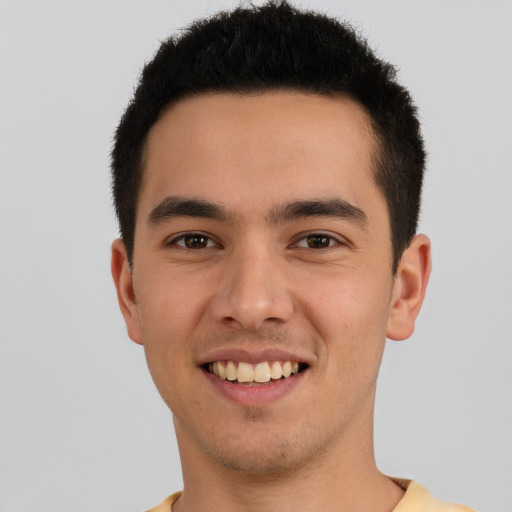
[(240, 372)]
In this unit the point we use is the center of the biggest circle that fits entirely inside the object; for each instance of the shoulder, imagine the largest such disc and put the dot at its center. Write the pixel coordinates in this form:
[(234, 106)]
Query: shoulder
[(166, 505), (418, 499)]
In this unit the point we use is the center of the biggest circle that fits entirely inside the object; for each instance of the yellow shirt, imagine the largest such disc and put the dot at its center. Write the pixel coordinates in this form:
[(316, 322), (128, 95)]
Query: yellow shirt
[(416, 499)]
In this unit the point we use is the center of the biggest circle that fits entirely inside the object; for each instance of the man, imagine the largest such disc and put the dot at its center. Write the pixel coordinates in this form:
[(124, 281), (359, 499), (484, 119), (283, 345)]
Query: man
[(267, 179)]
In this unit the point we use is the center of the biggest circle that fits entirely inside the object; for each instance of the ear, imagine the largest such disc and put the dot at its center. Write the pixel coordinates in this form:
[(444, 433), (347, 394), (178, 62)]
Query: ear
[(123, 280), (409, 288)]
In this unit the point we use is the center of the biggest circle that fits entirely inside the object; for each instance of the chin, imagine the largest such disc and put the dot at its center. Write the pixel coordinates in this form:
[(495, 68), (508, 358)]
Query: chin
[(260, 464), (268, 455)]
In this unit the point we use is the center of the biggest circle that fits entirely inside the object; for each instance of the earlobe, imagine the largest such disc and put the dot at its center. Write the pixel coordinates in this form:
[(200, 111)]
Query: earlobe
[(409, 288), (123, 281)]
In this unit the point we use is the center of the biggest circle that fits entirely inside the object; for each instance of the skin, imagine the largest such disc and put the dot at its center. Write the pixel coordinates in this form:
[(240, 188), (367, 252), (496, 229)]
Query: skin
[(259, 284)]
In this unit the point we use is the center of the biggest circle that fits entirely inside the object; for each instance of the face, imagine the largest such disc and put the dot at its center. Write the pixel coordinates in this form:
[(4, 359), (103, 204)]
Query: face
[(263, 255)]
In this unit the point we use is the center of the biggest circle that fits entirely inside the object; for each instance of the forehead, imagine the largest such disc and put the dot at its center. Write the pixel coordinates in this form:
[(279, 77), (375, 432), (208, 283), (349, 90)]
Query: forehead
[(258, 149)]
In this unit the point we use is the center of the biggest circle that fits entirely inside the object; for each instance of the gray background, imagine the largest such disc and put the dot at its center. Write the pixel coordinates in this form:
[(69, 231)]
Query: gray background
[(81, 426)]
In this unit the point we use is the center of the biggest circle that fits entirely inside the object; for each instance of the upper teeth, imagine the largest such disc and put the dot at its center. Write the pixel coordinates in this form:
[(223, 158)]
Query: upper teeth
[(247, 372)]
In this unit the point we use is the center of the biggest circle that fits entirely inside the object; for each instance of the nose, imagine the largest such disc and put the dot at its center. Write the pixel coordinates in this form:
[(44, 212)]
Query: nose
[(253, 292)]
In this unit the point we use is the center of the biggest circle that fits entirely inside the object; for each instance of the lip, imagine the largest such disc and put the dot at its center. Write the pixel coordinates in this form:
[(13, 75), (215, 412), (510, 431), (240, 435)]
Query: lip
[(256, 394), (251, 356)]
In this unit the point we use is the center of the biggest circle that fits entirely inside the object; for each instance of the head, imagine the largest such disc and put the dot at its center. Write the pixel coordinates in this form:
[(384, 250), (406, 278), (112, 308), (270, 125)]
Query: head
[(272, 48), (267, 178)]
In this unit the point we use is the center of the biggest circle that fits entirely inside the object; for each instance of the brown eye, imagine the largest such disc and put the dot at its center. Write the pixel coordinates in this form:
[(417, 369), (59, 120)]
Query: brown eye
[(195, 241), (318, 241)]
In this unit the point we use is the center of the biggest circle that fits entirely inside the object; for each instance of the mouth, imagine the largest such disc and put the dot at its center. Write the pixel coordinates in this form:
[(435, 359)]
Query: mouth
[(250, 374)]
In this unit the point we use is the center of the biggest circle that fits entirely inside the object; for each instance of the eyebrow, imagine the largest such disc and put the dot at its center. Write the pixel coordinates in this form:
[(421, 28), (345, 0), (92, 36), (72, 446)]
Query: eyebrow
[(335, 207), (176, 206)]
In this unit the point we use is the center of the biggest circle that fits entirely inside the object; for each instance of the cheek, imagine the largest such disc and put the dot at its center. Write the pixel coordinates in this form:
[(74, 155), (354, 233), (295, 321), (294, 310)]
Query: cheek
[(348, 301), (350, 311), (169, 312), (169, 304)]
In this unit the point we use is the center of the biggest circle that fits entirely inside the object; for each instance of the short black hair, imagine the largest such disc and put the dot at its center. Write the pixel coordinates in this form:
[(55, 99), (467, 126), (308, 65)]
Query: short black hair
[(267, 48)]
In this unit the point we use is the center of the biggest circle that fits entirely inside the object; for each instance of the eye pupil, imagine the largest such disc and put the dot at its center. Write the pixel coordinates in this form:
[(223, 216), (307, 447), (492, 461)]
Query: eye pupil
[(196, 241), (318, 241)]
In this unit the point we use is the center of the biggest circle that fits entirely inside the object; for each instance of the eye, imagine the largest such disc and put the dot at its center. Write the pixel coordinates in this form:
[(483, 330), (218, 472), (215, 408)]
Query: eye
[(317, 241), (193, 241)]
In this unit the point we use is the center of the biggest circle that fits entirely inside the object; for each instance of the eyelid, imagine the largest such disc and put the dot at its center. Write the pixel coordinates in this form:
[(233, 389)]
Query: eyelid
[(338, 239), (173, 240)]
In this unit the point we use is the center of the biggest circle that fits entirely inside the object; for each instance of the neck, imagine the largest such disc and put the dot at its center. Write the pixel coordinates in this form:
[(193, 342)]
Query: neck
[(342, 478)]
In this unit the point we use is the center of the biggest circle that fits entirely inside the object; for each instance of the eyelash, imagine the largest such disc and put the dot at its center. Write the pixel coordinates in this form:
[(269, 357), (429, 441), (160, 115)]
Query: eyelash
[(331, 241), (176, 240)]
